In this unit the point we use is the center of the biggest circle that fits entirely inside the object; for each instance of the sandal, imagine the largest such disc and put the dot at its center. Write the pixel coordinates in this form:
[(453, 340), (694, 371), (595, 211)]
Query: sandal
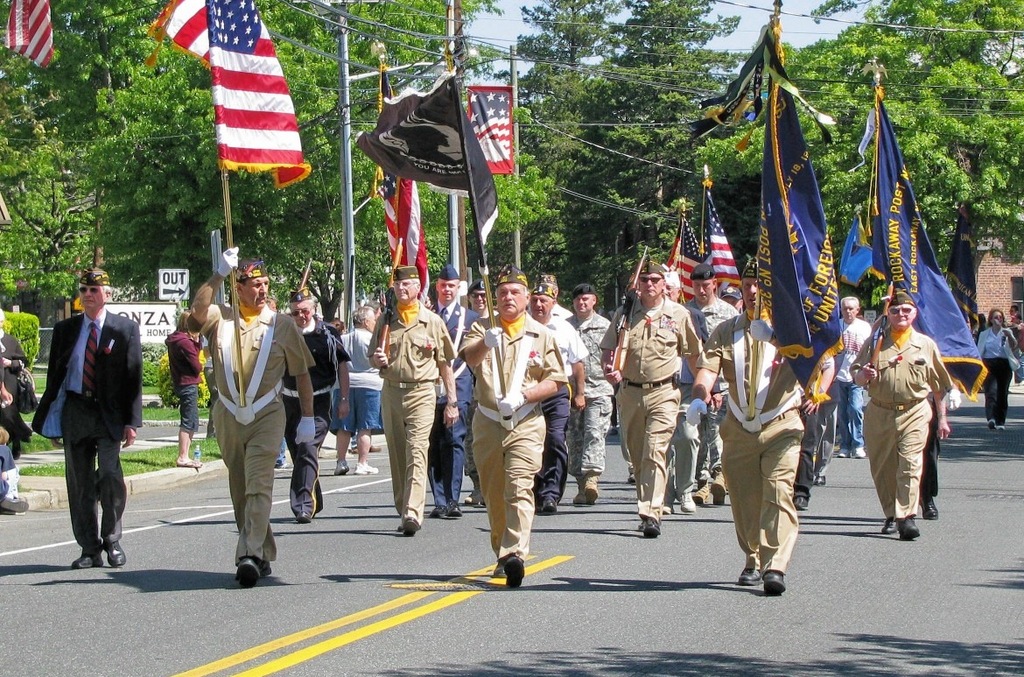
[(195, 465)]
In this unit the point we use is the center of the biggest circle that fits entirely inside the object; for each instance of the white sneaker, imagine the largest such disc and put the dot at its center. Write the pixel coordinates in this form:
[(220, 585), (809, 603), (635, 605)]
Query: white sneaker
[(859, 453), (687, 505), (365, 469), (1000, 427)]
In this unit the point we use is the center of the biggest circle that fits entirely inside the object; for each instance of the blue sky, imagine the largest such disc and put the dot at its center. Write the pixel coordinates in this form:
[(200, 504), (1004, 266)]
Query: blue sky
[(798, 31)]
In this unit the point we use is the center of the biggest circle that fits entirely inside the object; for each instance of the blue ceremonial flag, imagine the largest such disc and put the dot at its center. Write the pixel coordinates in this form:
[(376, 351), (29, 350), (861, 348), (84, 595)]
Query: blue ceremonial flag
[(855, 262), (903, 251), (961, 268), (796, 274)]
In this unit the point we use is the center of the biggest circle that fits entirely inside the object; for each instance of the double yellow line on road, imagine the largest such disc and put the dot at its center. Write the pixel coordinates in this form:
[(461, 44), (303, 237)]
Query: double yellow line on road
[(320, 648)]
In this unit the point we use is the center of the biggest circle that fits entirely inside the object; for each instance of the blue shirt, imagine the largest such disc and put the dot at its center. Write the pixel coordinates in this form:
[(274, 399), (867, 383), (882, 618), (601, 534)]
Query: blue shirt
[(74, 382)]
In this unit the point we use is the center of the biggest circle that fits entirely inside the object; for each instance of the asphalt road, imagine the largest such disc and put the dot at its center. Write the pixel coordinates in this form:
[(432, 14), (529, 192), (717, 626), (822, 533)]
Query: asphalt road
[(350, 596)]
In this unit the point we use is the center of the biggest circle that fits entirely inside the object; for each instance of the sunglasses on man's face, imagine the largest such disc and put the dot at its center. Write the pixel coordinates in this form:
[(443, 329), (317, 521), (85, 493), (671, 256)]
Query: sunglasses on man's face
[(89, 290)]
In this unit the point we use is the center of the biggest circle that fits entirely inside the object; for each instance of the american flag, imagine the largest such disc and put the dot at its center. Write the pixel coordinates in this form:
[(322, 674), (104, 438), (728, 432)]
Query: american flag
[(29, 31), (490, 111), (687, 252), (721, 253), (253, 113), (402, 211)]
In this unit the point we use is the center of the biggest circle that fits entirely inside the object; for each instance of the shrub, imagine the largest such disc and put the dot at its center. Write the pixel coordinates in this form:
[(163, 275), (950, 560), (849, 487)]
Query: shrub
[(152, 353), (25, 328), (167, 385)]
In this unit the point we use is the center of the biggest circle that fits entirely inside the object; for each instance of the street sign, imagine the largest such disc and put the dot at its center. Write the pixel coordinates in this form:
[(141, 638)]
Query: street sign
[(172, 284)]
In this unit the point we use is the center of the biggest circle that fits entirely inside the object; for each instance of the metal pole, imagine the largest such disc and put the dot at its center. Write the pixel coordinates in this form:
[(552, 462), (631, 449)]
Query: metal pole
[(453, 201), (514, 69), (347, 214)]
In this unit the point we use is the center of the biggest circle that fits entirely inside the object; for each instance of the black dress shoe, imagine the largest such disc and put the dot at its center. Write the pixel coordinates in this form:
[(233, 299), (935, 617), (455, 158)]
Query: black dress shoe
[(454, 512), (87, 561), (908, 529), (438, 511), (115, 555), (652, 529), (890, 526), (548, 507), (248, 572), (749, 577), (264, 567), (930, 511), (801, 502), (303, 518), (409, 526), (819, 481), (514, 571), (774, 583)]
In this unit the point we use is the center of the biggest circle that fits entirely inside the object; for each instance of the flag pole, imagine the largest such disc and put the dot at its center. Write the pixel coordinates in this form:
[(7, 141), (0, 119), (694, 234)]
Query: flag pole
[(225, 186)]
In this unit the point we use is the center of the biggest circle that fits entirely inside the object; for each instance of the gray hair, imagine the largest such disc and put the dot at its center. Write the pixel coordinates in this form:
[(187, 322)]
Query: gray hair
[(362, 315), (849, 298)]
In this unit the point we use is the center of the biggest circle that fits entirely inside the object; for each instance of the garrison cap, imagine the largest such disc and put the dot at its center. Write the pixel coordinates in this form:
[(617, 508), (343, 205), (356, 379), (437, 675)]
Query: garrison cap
[(750, 268), (94, 277), (548, 278), (652, 267), (251, 268), (406, 273), (449, 273), (300, 295), (477, 286), (511, 274), (731, 292), (672, 280), (545, 289), (901, 298)]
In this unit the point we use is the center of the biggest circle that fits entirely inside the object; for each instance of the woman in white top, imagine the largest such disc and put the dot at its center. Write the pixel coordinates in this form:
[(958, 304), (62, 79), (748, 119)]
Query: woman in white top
[(993, 344)]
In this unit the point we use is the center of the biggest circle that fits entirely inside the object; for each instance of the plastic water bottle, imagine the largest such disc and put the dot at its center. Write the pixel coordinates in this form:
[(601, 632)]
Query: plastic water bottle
[(197, 453)]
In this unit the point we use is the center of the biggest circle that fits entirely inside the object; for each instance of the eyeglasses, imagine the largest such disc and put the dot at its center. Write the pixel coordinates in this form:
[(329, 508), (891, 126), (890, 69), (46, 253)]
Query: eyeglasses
[(651, 278), (301, 311), (478, 294), (87, 290), (901, 310)]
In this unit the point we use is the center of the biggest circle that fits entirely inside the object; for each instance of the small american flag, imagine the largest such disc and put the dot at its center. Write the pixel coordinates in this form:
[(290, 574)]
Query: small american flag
[(253, 113), (687, 253), (490, 112), (29, 31), (721, 253)]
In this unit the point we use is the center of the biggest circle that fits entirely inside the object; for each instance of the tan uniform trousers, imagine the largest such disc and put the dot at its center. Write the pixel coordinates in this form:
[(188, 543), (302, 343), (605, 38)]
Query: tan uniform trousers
[(408, 416), (249, 453), (895, 442), (507, 461), (760, 469), (648, 419)]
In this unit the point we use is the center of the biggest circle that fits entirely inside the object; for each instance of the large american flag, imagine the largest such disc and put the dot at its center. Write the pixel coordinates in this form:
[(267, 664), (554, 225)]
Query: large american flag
[(29, 31), (687, 252), (490, 112), (253, 112), (721, 253), (402, 211)]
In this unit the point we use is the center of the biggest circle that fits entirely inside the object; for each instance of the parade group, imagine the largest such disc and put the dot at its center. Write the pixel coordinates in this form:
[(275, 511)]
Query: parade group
[(518, 393)]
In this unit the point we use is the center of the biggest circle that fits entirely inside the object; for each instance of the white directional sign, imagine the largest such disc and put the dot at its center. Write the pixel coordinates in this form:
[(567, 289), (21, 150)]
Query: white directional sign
[(172, 284)]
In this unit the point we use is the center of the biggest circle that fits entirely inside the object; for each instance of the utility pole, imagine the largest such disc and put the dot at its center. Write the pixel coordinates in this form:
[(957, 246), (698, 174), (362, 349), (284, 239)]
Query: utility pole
[(345, 161), (456, 209)]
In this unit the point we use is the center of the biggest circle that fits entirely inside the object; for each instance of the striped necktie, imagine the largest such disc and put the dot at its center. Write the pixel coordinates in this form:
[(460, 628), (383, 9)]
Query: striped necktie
[(89, 365)]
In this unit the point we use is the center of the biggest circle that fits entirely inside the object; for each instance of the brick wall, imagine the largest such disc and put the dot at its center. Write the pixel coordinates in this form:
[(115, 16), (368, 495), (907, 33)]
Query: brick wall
[(995, 281)]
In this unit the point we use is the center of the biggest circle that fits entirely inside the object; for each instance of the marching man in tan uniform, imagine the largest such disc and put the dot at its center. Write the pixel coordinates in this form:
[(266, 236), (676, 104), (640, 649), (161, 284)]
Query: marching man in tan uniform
[(760, 452), (908, 369), (418, 351), (660, 333), (508, 428), (250, 436)]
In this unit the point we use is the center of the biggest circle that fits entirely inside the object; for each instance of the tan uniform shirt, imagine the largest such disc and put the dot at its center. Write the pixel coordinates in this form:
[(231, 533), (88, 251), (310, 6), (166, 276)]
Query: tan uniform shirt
[(288, 350), (718, 356), (657, 340), (416, 350), (544, 361), (905, 375)]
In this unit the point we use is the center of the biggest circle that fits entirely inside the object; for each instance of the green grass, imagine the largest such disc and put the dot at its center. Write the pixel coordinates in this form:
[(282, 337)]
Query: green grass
[(132, 462), (168, 414)]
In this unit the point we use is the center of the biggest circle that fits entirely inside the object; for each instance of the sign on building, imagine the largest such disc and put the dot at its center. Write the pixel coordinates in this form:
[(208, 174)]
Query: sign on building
[(156, 320)]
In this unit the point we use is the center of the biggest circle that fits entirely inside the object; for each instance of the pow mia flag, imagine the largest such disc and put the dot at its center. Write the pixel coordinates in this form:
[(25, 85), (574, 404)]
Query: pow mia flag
[(428, 138)]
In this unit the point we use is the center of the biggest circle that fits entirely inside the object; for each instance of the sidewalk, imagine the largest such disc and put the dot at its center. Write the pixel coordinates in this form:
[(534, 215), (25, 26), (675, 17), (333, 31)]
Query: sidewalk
[(51, 493)]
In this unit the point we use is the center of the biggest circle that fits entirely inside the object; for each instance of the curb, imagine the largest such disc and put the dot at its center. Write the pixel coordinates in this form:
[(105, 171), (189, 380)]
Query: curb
[(50, 493)]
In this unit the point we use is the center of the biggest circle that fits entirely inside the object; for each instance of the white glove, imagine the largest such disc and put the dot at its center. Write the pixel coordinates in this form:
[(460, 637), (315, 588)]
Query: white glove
[(305, 432), (492, 338), (696, 409), (761, 330), (953, 399), (509, 404), (228, 261)]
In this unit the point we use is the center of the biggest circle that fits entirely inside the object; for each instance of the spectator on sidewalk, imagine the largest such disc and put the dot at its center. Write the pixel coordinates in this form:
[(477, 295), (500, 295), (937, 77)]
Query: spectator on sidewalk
[(183, 360), (10, 503), (364, 385), (996, 345), (851, 396), (12, 361)]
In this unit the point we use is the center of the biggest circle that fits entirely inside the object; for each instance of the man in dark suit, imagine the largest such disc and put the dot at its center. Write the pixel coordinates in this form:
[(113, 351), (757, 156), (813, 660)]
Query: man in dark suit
[(446, 457), (96, 359)]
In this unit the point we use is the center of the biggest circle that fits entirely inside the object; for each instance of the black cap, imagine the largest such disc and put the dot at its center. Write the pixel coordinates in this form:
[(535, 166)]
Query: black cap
[(581, 289), (511, 274), (406, 273), (902, 298), (94, 277), (477, 286), (300, 295), (449, 273), (251, 268), (731, 292), (702, 271), (750, 268)]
